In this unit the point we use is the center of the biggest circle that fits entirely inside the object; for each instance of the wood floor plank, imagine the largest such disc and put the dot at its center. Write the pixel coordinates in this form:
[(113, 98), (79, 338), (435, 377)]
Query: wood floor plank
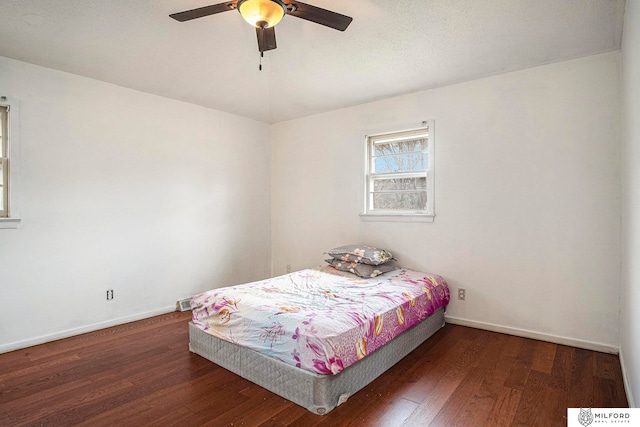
[(475, 396), (391, 413), (142, 373), (519, 372), (439, 395), (34, 369), (553, 409), (477, 407), (288, 416), (513, 345), (544, 357), (606, 366), (561, 370), (581, 385), (531, 400), (609, 390), (105, 336), (427, 372), (262, 406), (504, 409)]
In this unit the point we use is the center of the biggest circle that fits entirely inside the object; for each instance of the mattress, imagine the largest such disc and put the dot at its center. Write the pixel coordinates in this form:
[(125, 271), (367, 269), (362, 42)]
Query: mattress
[(316, 392), (318, 320)]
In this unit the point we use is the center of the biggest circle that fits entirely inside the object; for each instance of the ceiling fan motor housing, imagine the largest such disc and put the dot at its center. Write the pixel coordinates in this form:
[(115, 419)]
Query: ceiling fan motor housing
[(262, 13)]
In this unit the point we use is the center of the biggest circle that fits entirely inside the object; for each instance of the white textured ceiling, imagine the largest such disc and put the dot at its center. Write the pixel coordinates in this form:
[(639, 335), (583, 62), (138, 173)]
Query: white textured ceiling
[(392, 47)]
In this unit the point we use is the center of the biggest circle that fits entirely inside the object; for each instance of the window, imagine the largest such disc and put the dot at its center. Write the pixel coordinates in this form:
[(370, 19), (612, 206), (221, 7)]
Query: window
[(8, 164), (4, 163), (399, 175)]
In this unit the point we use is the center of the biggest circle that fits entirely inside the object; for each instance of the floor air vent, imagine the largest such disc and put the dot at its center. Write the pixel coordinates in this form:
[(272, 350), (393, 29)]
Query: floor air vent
[(184, 304)]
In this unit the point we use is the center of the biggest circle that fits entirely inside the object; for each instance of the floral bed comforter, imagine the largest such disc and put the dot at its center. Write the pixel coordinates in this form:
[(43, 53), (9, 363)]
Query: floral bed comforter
[(319, 319)]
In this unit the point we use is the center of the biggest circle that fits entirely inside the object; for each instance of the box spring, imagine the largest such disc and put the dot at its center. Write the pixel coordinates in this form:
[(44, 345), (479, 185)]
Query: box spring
[(315, 392)]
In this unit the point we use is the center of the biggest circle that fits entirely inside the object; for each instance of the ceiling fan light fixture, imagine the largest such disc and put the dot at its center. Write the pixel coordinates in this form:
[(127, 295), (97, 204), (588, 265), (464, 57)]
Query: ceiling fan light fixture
[(262, 13)]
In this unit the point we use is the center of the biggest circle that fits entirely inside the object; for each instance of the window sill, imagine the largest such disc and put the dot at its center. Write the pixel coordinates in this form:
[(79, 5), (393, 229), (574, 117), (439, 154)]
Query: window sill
[(397, 217), (9, 222)]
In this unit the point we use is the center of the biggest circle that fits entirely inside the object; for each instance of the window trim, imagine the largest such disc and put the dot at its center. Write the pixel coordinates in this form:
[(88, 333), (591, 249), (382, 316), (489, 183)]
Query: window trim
[(4, 167), (12, 163), (4, 161), (428, 214)]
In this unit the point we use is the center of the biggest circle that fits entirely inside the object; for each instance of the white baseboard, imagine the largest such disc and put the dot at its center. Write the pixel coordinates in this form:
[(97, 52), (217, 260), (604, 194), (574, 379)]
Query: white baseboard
[(588, 345), (625, 379), (4, 348)]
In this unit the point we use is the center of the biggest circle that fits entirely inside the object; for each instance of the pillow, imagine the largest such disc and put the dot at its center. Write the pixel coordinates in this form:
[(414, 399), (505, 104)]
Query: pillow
[(362, 254), (362, 270)]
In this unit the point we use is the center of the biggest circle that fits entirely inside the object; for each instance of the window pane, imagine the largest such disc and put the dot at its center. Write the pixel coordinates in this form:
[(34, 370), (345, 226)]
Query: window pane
[(397, 147), (399, 184), (400, 156), (410, 162), (400, 201), (3, 150), (1, 187), (3, 126)]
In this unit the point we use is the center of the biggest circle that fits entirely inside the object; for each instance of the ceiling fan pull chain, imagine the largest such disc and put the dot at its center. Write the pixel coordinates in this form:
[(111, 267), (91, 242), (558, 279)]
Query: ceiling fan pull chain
[(261, 56)]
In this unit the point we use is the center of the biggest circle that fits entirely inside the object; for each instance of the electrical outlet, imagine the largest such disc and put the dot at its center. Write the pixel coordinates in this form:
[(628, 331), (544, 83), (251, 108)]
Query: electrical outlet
[(109, 294), (288, 268), (462, 294)]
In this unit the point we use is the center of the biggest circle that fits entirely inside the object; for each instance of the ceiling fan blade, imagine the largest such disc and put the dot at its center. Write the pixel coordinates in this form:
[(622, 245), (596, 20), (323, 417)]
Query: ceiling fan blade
[(203, 11), (318, 15), (266, 38)]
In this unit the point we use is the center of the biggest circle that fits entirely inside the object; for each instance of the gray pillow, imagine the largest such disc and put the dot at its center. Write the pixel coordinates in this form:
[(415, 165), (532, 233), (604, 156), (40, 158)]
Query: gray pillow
[(362, 270), (361, 254)]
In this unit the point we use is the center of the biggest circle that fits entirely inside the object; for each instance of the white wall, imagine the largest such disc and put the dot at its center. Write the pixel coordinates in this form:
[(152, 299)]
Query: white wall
[(527, 196), (630, 289), (159, 199), (153, 198)]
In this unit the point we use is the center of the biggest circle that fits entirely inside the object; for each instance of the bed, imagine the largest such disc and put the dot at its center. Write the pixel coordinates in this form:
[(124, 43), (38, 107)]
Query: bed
[(317, 336)]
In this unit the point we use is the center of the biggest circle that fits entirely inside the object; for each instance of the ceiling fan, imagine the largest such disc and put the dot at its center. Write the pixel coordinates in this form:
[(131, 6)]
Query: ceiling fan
[(265, 14)]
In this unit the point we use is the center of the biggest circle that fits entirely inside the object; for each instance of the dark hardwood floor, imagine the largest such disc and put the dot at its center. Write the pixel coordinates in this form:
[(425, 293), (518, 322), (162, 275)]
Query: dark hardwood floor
[(142, 374)]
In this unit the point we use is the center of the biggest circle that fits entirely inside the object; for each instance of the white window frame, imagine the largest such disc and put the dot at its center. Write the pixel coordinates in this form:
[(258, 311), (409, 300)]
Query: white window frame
[(4, 162), (10, 217), (426, 215)]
